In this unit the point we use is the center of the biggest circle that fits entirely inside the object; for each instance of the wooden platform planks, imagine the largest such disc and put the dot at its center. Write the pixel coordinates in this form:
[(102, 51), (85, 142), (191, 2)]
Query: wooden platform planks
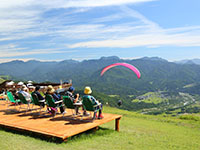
[(59, 126)]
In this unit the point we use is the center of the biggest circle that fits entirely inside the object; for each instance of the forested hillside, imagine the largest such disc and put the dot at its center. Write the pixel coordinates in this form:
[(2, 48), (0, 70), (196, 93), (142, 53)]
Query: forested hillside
[(158, 76)]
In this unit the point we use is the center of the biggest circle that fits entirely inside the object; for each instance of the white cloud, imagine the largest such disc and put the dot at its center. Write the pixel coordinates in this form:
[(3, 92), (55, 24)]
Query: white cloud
[(12, 50), (87, 3), (109, 18), (24, 21), (66, 3), (28, 59), (12, 59), (148, 34), (24, 53), (147, 40), (14, 3)]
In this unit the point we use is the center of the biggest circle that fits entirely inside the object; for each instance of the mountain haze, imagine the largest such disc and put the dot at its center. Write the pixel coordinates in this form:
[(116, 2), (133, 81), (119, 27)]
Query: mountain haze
[(189, 61)]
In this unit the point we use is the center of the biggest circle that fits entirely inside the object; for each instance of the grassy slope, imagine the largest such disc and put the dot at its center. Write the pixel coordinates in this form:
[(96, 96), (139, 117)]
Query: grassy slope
[(154, 98), (137, 132), (1, 80)]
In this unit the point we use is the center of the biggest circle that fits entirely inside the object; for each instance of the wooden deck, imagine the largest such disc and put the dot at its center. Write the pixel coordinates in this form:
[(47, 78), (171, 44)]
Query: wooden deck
[(59, 126)]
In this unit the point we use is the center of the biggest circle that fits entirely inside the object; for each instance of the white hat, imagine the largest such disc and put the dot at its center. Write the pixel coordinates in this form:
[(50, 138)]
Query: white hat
[(30, 81), (24, 86), (31, 87), (29, 84), (20, 83), (10, 83), (50, 89)]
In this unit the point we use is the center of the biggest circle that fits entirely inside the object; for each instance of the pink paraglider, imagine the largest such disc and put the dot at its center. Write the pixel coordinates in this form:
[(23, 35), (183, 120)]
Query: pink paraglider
[(131, 67)]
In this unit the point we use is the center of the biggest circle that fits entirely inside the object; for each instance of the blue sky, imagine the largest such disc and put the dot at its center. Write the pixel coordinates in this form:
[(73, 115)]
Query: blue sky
[(89, 29)]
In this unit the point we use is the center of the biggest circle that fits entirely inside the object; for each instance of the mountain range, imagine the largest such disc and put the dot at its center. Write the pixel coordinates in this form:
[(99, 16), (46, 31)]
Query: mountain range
[(189, 61), (157, 74)]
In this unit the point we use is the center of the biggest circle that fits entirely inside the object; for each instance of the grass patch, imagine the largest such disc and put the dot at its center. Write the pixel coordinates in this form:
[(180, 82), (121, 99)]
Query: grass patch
[(190, 117), (1, 80), (113, 95), (137, 132), (151, 97)]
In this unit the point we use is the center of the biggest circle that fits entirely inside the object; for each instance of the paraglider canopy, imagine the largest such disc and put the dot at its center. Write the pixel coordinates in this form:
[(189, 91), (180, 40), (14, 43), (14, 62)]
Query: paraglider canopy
[(131, 67)]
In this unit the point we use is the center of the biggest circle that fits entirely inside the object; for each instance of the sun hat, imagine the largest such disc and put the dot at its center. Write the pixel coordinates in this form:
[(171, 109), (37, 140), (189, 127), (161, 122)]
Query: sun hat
[(20, 83), (10, 83), (30, 81), (29, 84), (87, 90), (23, 86), (49, 86), (50, 89), (31, 87)]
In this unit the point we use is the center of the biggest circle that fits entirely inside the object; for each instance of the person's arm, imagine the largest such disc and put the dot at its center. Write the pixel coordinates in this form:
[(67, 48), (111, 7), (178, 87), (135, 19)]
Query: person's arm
[(94, 100), (77, 97), (26, 95), (55, 97)]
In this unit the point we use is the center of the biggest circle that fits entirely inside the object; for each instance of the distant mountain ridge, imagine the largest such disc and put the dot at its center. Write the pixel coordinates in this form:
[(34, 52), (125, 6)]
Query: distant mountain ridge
[(157, 74), (189, 61)]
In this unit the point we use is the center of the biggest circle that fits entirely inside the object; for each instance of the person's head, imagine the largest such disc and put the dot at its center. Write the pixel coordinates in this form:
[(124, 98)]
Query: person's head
[(37, 88), (119, 102), (87, 90), (19, 84), (24, 86), (25, 89), (29, 84), (56, 87), (31, 88), (50, 89), (66, 82), (43, 89), (71, 89), (10, 84)]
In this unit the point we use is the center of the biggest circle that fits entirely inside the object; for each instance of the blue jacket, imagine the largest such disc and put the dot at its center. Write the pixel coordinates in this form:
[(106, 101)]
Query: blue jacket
[(40, 97)]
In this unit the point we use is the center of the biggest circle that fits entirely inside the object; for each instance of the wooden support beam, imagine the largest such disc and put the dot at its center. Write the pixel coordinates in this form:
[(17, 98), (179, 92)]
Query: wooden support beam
[(95, 128), (117, 124), (65, 140)]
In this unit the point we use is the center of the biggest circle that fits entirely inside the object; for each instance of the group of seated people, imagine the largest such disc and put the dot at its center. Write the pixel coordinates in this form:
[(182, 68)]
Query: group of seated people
[(57, 94)]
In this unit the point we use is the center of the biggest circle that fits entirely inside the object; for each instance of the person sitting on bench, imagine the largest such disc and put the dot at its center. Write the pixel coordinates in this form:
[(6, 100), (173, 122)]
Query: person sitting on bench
[(75, 99), (26, 94), (40, 97), (51, 91), (88, 91)]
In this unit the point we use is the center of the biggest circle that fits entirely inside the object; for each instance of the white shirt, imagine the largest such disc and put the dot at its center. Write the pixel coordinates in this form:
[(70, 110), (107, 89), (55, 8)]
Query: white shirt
[(26, 95)]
